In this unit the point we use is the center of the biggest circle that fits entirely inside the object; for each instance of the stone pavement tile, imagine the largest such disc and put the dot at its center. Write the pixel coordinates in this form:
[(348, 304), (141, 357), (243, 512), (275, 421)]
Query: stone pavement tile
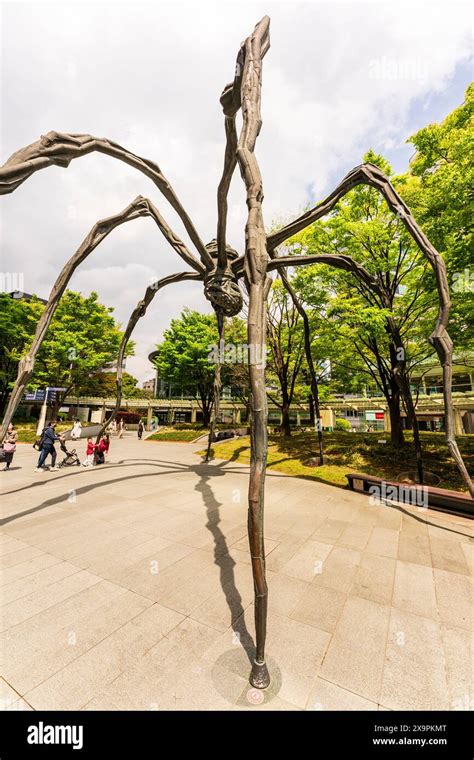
[(448, 555), (454, 595), (306, 561), (115, 558), (25, 569), (305, 525), (19, 557), (39, 647), (339, 569), (297, 650), (226, 605), (383, 541), (191, 594), (243, 544), (468, 550), (22, 609), (320, 607), (388, 516), (151, 576), (341, 507), (170, 679), (458, 648), (282, 554), (414, 547), (285, 592), (330, 531), (449, 531), (20, 705), (35, 582), (86, 676), (414, 590), (195, 637), (11, 545), (414, 524), (374, 578), (42, 527), (8, 695), (355, 537), (363, 514), (327, 696), (356, 653), (97, 539), (414, 671)]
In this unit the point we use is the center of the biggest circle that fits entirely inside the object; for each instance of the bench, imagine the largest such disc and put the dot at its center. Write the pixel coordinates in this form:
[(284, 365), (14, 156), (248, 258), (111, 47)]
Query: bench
[(440, 499)]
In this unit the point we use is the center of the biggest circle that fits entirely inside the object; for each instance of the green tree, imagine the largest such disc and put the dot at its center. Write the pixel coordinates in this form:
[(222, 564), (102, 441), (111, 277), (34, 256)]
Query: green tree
[(369, 326), (17, 325), (285, 339), (439, 186), (82, 339), (103, 385), (185, 357)]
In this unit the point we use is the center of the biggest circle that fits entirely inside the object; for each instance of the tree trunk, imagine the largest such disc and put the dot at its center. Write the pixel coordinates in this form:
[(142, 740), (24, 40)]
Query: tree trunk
[(312, 415), (309, 360), (285, 427), (217, 386), (396, 427)]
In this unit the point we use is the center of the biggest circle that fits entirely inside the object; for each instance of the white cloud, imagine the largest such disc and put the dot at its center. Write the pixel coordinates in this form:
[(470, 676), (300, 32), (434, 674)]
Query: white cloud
[(337, 79)]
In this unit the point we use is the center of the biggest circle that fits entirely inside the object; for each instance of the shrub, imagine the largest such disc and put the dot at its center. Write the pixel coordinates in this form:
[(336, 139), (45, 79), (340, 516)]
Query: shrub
[(342, 424)]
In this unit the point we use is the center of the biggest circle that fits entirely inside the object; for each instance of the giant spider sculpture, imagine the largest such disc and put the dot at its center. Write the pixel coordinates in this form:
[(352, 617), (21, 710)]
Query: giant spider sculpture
[(220, 269)]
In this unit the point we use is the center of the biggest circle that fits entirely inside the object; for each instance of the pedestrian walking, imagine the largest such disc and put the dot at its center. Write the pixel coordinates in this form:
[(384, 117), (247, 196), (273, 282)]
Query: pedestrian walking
[(121, 428), (141, 428), (9, 445), (76, 430), (48, 439)]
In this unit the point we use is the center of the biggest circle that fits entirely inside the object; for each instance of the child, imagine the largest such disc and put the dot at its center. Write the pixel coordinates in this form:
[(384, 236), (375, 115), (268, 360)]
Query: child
[(89, 460), (101, 450)]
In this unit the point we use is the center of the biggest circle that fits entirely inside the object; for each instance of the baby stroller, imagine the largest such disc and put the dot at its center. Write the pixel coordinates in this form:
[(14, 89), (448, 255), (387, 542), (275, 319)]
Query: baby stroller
[(71, 457)]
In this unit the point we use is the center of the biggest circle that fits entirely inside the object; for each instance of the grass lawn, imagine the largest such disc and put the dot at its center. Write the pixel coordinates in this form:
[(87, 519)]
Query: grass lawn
[(177, 435), (354, 452), (27, 430)]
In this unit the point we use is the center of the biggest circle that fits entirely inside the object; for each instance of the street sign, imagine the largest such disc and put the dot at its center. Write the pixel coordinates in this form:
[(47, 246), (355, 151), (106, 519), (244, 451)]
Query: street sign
[(39, 395)]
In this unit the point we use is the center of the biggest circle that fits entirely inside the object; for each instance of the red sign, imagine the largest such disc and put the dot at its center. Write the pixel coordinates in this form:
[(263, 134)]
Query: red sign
[(379, 415)]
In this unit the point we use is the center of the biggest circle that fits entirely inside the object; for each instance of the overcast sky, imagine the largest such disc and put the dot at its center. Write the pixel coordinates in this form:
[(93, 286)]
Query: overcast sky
[(338, 79)]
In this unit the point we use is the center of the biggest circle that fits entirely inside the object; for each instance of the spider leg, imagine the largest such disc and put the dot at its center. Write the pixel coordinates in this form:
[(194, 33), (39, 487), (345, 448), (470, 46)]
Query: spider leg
[(59, 149), (138, 208), (369, 174), (139, 312)]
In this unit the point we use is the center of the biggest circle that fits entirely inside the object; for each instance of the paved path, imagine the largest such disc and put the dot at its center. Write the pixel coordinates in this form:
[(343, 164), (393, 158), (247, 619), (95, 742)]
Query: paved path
[(129, 586)]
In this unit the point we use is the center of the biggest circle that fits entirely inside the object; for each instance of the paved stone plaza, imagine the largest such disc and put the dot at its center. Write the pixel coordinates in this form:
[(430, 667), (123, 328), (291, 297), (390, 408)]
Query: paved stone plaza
[(129, 586)]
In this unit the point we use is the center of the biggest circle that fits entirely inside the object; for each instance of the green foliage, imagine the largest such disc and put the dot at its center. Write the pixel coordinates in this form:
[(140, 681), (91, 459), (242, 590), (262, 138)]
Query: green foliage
[(184, 355), (342, 424), (83, 338), (17, 324), (103, 385), (439, 189)]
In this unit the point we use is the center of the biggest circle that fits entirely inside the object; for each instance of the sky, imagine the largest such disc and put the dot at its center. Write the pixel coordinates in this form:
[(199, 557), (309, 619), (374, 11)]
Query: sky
[(339, 78)]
